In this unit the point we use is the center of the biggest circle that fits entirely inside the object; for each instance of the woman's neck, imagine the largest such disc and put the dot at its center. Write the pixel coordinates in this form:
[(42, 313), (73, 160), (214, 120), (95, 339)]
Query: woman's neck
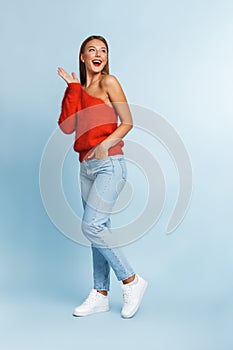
[(91, 79)]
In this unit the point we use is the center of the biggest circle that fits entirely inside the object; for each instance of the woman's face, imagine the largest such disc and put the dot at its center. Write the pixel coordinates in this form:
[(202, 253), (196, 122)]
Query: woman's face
[(95, 56)]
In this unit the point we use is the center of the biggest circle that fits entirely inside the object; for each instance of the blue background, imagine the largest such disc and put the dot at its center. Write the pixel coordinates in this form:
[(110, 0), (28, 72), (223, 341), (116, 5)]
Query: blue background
[(174, 57)]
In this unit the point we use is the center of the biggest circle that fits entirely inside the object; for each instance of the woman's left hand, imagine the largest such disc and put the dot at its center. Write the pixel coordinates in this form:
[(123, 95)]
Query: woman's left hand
[(100, 152)]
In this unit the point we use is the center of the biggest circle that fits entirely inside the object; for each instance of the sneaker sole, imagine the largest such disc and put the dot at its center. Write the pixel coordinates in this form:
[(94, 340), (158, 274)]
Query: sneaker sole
[(139, 303), (81, 314)]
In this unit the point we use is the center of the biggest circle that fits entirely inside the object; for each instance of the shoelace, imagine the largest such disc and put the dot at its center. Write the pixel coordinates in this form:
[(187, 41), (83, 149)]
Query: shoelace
[(127, 294)]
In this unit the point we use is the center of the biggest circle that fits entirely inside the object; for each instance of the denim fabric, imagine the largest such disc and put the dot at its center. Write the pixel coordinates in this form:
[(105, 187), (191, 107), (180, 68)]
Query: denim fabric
[(101, 183)]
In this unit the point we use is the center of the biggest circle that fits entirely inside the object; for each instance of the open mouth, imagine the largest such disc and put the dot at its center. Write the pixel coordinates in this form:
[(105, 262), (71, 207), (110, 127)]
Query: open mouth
[(97, 63)]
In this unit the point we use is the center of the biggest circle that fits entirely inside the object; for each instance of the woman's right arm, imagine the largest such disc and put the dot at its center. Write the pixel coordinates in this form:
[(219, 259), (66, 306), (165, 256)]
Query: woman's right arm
[(69, 106)]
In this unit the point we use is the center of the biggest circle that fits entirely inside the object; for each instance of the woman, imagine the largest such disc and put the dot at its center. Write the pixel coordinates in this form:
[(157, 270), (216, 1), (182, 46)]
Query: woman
[(90, 108)]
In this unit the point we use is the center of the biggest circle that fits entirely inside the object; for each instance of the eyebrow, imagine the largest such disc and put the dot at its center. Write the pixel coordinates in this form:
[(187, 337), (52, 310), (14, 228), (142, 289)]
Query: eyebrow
[(103, 47)]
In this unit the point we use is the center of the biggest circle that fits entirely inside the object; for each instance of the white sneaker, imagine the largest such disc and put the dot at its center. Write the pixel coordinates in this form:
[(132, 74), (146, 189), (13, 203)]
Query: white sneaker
[(132, 295), (95, 302)]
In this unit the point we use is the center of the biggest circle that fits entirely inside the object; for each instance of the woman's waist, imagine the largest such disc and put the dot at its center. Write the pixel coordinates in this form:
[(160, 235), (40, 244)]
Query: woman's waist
[(114, 151)]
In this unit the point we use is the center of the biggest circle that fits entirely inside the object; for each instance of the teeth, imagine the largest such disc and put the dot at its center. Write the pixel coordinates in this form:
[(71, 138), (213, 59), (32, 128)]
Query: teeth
[(96, 61)]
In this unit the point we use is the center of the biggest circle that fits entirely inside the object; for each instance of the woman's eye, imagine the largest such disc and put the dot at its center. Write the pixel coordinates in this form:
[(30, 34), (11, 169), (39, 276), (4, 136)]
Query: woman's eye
[(91, 49), (104, 51)]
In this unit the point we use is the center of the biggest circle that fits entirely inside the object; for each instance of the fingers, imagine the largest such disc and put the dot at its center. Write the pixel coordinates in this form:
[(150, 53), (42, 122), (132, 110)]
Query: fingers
[(74, 76), (64, 75), (61, 72), (91, 155), (68, 78)]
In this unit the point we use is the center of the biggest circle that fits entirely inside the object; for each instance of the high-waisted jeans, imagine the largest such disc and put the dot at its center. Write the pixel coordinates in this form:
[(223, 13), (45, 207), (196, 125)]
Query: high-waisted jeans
[(101, 183)]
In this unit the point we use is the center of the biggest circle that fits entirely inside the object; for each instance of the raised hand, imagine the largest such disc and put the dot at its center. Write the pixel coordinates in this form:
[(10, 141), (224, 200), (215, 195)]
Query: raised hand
[(67, 77)]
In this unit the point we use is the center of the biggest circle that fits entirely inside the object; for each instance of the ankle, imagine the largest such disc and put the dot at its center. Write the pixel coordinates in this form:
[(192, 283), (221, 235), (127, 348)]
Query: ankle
[(130, 279), (104, 292)]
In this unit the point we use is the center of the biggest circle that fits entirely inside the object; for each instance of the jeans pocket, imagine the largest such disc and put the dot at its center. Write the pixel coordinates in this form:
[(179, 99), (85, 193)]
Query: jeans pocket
[(103, 165), (101, 160)]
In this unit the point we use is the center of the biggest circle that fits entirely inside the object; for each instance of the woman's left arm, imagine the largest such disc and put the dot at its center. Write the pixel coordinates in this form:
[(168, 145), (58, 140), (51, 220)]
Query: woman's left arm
[(117, 97)]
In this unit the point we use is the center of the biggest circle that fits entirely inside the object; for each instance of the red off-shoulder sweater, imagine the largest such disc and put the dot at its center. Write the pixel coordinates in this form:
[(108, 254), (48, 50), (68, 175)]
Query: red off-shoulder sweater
[(91, 119)]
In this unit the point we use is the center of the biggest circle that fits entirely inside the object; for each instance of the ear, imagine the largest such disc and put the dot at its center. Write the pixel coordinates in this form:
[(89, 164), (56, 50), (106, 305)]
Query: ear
[(81, 58)]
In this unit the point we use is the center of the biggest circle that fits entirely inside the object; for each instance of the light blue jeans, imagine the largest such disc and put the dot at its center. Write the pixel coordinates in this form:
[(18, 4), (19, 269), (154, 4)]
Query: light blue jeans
[(101, 183)]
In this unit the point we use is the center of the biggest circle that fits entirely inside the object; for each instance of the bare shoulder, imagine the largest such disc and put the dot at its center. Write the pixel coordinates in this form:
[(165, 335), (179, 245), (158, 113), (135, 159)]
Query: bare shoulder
[(112, 88), (109, 81)]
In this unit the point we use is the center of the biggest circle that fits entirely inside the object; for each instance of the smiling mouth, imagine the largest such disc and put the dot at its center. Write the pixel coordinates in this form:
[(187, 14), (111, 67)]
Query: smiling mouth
[(97, 63)]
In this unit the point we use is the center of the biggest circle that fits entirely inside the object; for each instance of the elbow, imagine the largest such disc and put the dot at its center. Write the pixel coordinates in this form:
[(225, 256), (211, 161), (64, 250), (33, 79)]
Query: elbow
[(67, 123), (66, 127), (67, 131), (129, 126)]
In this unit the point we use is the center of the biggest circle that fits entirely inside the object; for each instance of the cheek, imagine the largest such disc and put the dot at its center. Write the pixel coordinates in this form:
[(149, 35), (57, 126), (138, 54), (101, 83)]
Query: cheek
[(88, 55), (105, 58)]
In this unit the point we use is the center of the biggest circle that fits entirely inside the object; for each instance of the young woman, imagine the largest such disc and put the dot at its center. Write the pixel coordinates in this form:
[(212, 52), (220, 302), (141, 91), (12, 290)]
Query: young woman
[(91, 108)]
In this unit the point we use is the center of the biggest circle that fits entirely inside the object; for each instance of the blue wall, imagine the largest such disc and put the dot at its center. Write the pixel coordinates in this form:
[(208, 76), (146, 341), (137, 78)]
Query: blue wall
[(174, 57)]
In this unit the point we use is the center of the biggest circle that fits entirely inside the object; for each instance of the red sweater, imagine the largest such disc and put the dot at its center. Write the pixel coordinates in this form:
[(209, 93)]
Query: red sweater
[(91, 119)]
